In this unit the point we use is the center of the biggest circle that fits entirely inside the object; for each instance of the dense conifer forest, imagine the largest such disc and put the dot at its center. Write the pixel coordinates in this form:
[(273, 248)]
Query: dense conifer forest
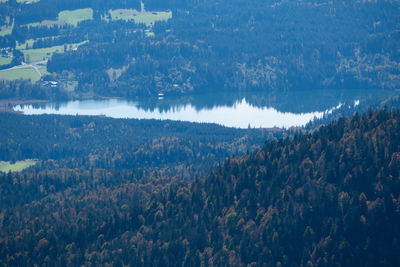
[(322, 199), (97, 191), (189, 149)]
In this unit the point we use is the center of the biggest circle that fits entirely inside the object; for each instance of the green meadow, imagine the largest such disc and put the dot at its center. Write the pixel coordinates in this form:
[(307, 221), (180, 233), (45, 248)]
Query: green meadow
[(6, 166), (5, 60), (146, 17), (26, 74), (75, 16), (33, 55), (39, 54), (72, 17)]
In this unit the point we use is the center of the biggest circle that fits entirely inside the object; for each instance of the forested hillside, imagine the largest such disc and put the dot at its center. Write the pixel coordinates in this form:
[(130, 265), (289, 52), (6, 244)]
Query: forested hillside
[(96, 191), (180, 47), (180, 149), (322, 199)]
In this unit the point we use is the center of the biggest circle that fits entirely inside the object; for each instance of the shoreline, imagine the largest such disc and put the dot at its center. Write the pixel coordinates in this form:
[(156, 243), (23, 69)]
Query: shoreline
[(6, 105)]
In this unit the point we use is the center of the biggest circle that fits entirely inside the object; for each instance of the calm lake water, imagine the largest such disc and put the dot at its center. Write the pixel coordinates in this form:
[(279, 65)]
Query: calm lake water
[(264, 110)]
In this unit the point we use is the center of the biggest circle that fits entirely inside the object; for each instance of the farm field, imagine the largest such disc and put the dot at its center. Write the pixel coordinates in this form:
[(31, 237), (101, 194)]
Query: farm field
[(5, 60), (6, 166), (75, 16), (146, 17), (27, 73), (35, 72), (34, 55), (72, 17)]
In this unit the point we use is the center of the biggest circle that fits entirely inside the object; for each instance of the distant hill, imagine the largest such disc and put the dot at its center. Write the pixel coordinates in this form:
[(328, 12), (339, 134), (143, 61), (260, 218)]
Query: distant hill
[(322, 199), (179, 47)]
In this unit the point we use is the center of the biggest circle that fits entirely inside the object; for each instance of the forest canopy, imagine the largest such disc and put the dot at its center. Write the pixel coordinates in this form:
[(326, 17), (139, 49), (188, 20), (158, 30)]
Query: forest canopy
[(326, 198)]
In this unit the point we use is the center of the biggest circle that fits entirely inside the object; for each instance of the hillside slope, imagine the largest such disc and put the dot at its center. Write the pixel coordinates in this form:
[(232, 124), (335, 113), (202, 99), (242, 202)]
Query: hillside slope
[(324, 199)]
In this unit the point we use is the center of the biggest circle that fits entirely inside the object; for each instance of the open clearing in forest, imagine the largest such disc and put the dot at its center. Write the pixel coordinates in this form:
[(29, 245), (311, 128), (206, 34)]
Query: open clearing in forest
[(5, 60), (75, 16), (72, 17), (38, 58), (26, 73), (7, 166), (146, 17), (39, 54), (33, 55)]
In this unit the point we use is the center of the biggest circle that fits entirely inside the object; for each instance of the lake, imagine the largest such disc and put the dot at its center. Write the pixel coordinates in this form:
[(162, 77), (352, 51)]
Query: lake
[(240, 110)]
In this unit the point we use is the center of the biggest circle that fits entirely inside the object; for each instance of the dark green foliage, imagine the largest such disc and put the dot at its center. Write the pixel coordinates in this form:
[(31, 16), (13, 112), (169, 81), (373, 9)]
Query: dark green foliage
[(326, 199), (24, 89), (184, 148)]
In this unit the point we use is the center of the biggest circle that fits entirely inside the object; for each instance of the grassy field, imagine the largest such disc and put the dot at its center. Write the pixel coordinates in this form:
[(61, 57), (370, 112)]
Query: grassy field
[(146, 17), (33, 55), (43, 70), (6, 166), (26, 74), (5, 60), (72, 17), (75, 16)]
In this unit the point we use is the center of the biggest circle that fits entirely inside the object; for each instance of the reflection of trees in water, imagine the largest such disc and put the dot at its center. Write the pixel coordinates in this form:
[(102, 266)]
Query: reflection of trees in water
[(44, 105), (284, 101), (294, 102)]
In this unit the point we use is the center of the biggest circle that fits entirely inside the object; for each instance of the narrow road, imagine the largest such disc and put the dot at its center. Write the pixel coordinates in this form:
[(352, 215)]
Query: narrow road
[(33, 65)]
